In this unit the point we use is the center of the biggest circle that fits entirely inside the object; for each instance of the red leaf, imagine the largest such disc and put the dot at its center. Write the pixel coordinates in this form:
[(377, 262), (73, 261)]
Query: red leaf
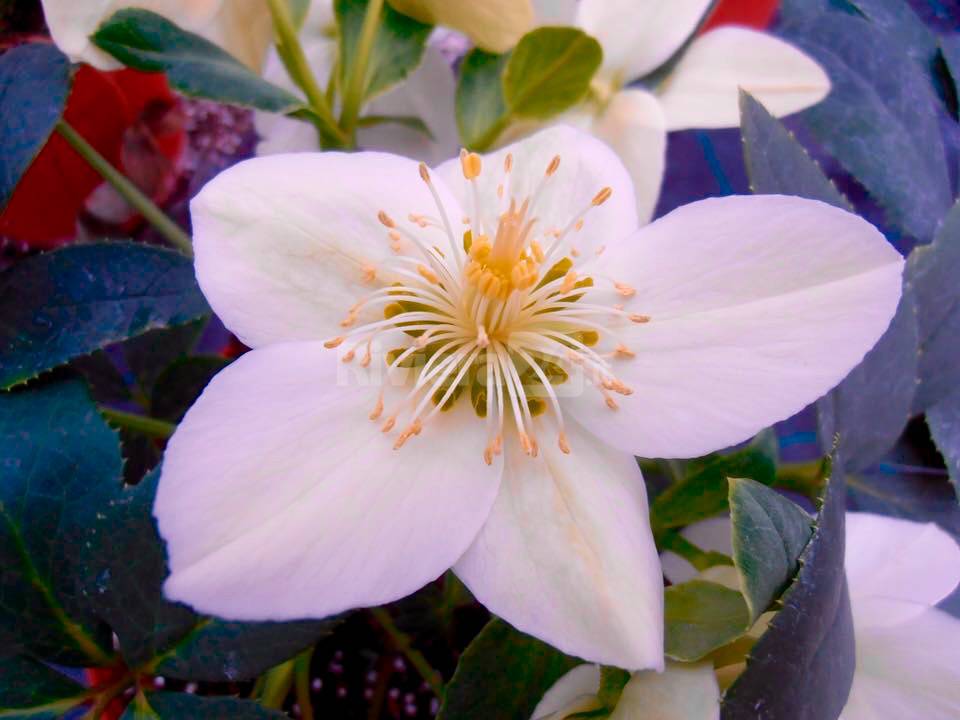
[(751, 13)]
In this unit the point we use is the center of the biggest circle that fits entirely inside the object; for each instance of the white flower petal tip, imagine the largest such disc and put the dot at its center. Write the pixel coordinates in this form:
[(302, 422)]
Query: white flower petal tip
[(893, 559), (279, 498), (576, 688), (758, 305), (703, 89), (567, 555), (494, 25), (680, 692)]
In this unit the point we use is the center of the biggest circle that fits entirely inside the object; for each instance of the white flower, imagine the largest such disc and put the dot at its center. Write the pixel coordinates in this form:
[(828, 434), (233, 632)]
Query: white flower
[(241, 27), (494, 25), (908, 651), (428, 94), (301, 484), (700, 91)]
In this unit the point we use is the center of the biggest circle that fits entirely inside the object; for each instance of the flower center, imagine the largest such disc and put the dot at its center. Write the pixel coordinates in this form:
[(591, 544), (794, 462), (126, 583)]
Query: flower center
[(504, 316)]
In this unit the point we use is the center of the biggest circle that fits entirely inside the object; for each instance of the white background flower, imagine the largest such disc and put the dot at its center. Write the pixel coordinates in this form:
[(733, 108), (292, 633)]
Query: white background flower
[(280, 498), (241, 27), (700, 91)]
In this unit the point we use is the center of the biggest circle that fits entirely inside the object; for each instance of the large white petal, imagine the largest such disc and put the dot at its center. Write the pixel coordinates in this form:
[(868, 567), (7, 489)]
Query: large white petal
[(633, 125), (428, 93), (639, 35), (71, 23), (898, 559), (280, 499), (577, 687), (282, 242), (759, 305), (909, 671), (681, 692), (567, 554), (703, 89), (586, 166)]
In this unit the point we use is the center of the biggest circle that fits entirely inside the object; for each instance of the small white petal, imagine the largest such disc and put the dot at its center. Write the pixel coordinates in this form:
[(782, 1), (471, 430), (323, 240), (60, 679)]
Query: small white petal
[(587, 165), (639, 35), (759, 305), (900, 560), (703, 89), (283, 243), (244, 28), (909, 671), (710, 535), (280, 499), (633, 125), (567, 554), (428, 93), (555, 12), (576, 686), (680, 692)]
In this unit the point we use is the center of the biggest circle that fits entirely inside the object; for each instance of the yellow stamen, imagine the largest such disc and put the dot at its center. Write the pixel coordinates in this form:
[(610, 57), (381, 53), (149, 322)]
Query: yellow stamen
[(385, 219), (471, 164), (336, 342), (553, 166), (640, 318), (428, 274), (601, 197)]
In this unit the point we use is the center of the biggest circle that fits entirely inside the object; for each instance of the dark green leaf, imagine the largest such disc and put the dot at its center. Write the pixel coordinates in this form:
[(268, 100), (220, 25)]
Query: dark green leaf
[(40, 692), (67, 303), (397, 48), (503, 674), (34, 85), (480, 106), (122, 571), (944, 421), (152, 353), (701, 616), (870, 408), (769, 532), (950, 48), (612, 682), (931, 276), (880, 119), (60, 461), (802, 667), (896, 22), (776, 163), (703, 491), (549, 71), (181, 384), (146, 41), (180, 706)]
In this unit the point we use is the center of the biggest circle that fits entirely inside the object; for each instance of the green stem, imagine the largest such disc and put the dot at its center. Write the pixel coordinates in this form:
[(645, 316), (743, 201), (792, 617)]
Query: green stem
[(276, 685), (700, 559), (138, 423), (356, 84), (127, 190), (301, 669), (402, 642), (295, 60)]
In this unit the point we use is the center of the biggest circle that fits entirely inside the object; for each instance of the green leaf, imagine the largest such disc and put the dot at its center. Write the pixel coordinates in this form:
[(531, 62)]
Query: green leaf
[(769, 532), (944, 422), (397, 47), (703, 491), (870, 408), (549, 71), (70, 302), (931, 276), (701, 616), (480, 106), (122, 571), (34, 85), (60, 460), (802, 667), (195, 66), (410, 122), (180, 706), (502, 674), (181, 384), (881, 117), (612, 682), (29, 688)]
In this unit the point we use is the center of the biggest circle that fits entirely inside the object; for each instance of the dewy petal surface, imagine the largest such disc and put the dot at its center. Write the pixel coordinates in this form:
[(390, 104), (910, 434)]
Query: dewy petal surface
[(567, 554), (633, 125), (280, 499), (894, 559), (680, 692), (284, 243), (639, 35), (907, 671), (702, 91), (586, 165), (758, 305)]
